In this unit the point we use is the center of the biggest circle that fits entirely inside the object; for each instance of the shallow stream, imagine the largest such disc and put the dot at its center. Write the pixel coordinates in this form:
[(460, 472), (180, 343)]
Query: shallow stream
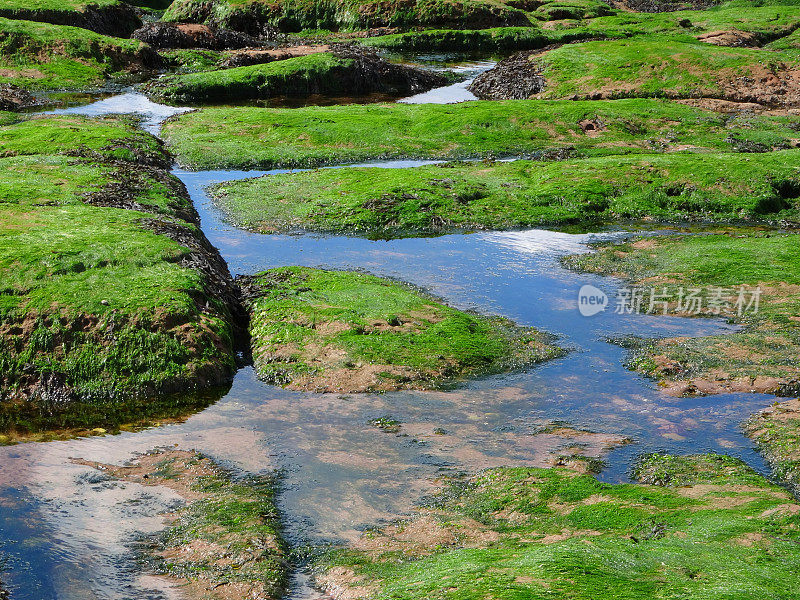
[(66, 530)]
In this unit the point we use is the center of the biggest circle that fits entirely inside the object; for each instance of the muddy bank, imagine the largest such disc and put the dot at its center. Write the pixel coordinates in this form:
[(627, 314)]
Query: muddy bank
[(343, 70), (119, 20), (338, 331), (163, 36), (224, 543)]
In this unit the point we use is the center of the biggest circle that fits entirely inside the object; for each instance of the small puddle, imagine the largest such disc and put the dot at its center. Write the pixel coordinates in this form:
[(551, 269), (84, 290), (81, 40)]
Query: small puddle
[(67, 531)]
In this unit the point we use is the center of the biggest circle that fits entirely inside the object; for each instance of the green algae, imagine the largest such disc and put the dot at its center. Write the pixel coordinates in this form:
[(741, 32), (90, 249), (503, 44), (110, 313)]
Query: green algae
[(713, 528), (244, 138), (466, 196), (345, 331)]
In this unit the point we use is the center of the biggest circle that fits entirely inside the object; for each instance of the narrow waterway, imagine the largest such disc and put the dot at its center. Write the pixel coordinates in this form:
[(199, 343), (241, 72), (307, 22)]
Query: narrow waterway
[(66, 530)]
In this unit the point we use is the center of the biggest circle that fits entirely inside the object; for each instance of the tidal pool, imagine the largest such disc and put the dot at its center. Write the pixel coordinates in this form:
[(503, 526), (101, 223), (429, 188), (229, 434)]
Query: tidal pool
[(67, 531)]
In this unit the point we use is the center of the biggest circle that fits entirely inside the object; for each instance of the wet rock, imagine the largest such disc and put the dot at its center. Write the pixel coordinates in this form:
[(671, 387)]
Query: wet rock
[(515, 78), (16, 98), (189, 35), (119, 20)]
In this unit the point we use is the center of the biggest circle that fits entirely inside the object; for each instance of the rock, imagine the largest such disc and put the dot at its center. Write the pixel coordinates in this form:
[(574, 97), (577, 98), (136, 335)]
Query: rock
[(189, 35), (515, 78), (16, 98)]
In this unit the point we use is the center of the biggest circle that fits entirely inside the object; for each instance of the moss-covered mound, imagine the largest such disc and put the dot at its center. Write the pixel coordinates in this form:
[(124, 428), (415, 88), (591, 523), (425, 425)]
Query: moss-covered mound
[(648, 67), (466, 196), (762, 357), (109, 17), (731, 23), (314, 136), (110, 292), (41, 56), (334, 331), (258, 17), (703, 527), (344, 71), (225, 542)]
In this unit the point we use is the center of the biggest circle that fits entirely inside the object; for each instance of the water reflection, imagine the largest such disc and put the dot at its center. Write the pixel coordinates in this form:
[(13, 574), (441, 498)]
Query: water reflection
[(67, 530)]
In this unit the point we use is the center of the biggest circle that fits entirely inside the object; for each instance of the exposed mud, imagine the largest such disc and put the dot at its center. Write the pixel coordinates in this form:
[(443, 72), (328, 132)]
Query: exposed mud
[(517, 77), (164, 36), (119, 20)]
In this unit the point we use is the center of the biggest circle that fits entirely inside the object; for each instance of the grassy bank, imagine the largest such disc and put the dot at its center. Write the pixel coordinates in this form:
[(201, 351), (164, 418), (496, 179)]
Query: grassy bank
[(225, 543), (466, 196), (329, 73), (703, 527), (41, 56), (661, 67), (763, 356), (334, 331), (231, 138), (110, 291)]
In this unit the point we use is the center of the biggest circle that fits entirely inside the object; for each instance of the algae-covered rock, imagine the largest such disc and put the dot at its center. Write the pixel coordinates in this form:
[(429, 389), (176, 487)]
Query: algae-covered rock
[(108, 17), (111, 293), (260, 17), (337, 331), (42, 56), (342, 71)]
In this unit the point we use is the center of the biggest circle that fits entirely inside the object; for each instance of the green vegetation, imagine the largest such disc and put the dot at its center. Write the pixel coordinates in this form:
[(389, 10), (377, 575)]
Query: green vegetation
[(225, 542), (254, 15), (464, 196), (321, 73), (763, 356), (105, 138), (776, 432), (655, 66), (350, 332), (41, 56), (110, 292), (108, 17), (235, 138), (711, 528)]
